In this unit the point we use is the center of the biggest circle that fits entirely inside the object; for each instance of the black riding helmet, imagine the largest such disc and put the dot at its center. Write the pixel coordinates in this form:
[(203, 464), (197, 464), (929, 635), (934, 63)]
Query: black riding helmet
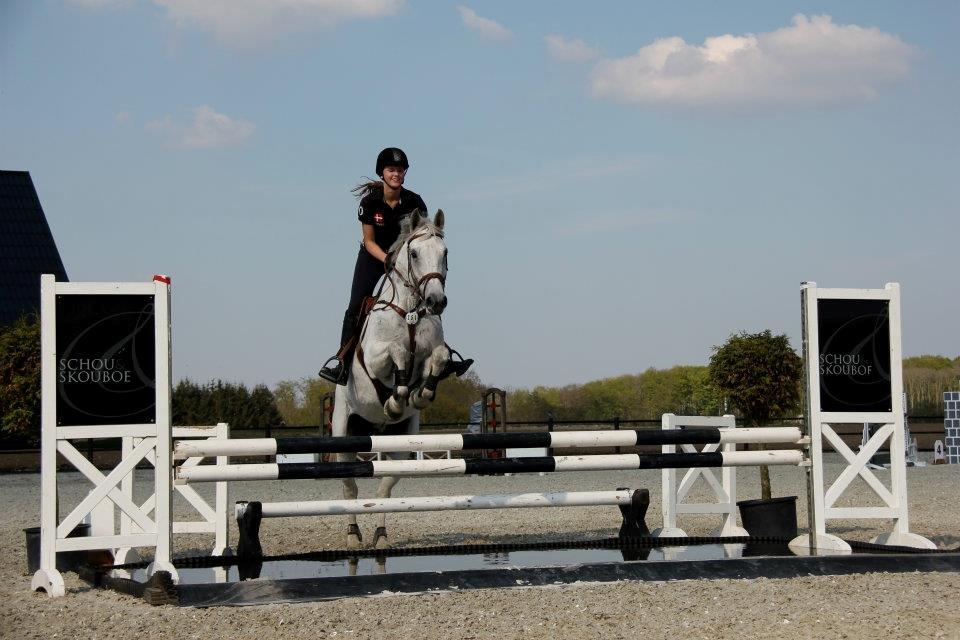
[(391, 157)]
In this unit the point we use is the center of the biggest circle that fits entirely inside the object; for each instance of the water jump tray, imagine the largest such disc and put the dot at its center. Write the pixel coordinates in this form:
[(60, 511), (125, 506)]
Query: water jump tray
[(329, 575)]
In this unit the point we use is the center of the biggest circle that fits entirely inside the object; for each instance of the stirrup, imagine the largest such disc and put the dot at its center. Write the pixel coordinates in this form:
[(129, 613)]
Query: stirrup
[(455, 367), (337, 373)]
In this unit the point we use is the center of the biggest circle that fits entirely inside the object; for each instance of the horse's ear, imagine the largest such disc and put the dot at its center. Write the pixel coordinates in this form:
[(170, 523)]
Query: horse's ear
[(415, 219), (438, 219)]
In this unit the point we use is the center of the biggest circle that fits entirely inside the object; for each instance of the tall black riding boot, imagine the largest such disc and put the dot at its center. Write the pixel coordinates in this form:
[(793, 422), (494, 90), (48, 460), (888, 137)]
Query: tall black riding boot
[(455, 367)]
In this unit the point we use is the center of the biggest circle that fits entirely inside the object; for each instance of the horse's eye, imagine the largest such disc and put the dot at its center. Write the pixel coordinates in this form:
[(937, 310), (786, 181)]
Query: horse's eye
[(413, 254)]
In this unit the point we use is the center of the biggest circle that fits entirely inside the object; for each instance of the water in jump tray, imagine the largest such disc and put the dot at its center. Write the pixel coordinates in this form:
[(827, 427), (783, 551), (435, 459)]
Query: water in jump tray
[(286, 568)]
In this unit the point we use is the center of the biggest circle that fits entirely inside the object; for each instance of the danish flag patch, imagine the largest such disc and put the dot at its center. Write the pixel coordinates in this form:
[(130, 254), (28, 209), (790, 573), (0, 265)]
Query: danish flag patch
[(378, 217)]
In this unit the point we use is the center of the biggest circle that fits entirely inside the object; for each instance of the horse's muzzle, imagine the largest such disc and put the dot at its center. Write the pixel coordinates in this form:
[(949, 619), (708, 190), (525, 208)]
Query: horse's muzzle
[(436, 303)]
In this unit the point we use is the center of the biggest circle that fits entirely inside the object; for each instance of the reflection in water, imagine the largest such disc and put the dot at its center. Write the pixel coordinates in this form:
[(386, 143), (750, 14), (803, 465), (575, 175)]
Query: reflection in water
[(498, 559), (360, 566)]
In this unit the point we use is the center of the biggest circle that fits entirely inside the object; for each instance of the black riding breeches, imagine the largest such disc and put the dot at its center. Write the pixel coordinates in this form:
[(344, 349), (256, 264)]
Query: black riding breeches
[(366, 274)]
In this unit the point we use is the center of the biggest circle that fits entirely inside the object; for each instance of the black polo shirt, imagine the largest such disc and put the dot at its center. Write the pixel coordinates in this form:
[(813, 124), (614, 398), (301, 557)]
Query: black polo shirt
[(386, 221)]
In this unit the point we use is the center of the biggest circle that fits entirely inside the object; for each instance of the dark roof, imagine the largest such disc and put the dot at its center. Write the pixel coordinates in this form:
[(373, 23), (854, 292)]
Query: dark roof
[(27, 248)]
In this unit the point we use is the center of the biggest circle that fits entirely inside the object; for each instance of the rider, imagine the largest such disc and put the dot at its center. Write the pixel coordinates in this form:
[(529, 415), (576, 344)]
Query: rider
[(383, 203)]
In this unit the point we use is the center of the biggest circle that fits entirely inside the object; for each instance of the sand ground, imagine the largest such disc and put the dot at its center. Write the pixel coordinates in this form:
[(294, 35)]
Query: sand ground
[(879, 605)]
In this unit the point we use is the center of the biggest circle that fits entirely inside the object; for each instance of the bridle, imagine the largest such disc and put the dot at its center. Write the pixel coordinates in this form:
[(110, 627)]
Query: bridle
[(416, 286)]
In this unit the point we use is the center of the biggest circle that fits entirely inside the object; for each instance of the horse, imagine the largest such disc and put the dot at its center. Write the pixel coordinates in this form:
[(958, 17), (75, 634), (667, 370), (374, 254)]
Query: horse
[(400, 353)]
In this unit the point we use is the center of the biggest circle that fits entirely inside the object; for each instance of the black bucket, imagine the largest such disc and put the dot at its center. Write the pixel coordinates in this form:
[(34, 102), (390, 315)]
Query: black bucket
[(66, 560), (776, 517)]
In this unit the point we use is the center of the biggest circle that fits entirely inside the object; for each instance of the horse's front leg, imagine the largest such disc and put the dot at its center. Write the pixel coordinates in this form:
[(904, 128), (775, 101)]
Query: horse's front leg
[(402, 361), (432, 368), (350, 492)]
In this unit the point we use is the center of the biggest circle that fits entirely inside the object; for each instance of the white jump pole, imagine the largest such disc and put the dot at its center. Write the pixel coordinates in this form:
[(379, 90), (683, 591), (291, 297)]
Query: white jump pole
[(413, 468), (459, 442), (444, 503)]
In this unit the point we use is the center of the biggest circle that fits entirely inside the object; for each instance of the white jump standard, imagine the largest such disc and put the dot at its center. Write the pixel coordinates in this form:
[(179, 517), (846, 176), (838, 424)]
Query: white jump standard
[(860, 330)]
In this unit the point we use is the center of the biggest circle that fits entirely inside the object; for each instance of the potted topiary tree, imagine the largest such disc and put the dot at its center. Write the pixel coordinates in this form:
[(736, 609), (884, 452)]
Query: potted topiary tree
[(760, 374)]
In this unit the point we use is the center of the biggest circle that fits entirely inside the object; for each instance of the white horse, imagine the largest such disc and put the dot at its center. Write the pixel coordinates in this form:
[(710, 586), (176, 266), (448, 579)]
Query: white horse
[(400, 353)]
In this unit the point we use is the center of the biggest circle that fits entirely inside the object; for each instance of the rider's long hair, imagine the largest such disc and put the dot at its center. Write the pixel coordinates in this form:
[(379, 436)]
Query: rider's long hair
[(365, 188)]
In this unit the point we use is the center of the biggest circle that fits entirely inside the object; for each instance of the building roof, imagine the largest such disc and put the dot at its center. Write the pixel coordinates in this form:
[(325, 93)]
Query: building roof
[(27, 248)]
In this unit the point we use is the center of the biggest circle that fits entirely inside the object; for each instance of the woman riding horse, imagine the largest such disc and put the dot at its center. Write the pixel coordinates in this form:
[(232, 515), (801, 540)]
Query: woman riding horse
[(383, 205), (400, 355)]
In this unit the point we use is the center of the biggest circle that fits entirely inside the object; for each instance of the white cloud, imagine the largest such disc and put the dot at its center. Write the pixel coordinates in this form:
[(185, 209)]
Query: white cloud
[(242, 22), (207, 130), (484, 26), (570, 50), (813, 62)]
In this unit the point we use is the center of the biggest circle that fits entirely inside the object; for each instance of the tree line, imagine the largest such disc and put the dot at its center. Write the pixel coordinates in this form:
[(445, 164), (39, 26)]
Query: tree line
[(683, 389), (687, 390), (219, 401), (925, 378)]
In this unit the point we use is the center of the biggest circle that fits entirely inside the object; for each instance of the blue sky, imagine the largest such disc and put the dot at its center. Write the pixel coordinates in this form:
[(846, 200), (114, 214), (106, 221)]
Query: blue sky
[(626, 184)]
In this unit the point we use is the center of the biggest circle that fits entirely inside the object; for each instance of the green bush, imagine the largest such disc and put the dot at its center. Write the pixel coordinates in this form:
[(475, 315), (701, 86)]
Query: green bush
[(20, 381), (760, 374)]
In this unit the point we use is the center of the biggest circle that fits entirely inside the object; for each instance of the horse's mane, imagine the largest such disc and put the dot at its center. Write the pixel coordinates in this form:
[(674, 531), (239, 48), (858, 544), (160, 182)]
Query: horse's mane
[(406, 231)]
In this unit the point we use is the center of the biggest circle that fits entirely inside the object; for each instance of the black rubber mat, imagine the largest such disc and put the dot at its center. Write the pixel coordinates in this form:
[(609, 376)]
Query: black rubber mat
[(161, 590), (316, 589)]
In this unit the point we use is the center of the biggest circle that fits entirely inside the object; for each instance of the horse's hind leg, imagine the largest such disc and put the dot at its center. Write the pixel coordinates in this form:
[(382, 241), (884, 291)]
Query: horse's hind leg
[(380, 540), (350, 493)]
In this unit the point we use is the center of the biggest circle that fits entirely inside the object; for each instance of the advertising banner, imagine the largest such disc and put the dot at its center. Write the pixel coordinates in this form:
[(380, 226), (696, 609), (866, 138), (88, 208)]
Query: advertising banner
[(105, 362), (854, 363)]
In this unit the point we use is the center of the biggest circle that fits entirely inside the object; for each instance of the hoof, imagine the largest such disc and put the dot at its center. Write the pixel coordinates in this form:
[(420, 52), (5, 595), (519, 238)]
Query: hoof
[(392, 415), (354, 538), (380, 540), (403, 391), (393, 408), (419, 402)]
